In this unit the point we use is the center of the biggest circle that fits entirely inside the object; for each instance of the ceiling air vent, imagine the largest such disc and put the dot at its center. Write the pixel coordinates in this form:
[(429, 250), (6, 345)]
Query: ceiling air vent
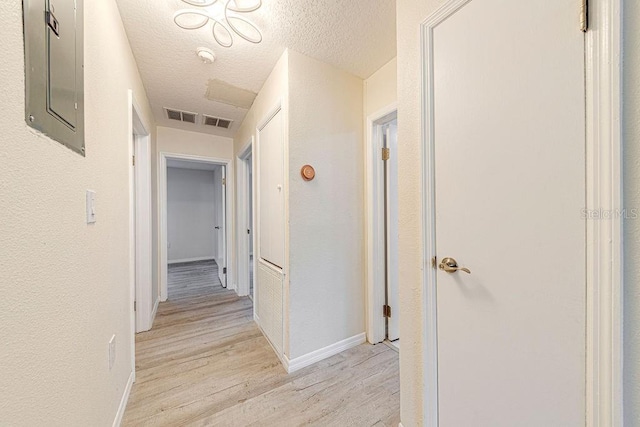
[(217, 122), (181, 116), (189, 117)]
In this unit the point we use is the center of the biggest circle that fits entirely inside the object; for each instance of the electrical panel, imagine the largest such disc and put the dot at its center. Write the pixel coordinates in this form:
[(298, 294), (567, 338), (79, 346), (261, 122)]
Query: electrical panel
[(54, 70)]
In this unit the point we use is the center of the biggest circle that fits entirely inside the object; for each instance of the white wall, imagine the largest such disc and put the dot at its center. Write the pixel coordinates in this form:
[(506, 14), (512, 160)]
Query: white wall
[(381, 88), (410, 14), (326, 253), (275, 90), (191, 215), (198, 144), (631, 119), (65, 284)]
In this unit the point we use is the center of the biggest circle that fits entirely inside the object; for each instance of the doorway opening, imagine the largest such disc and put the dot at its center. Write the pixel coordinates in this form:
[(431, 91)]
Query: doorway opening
[(382, 224), (245, 229), (193, 221)]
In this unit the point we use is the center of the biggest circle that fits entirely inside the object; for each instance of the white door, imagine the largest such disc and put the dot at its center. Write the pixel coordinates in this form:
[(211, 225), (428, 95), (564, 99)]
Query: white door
[(271, 191), (391, 214), (509, 151)]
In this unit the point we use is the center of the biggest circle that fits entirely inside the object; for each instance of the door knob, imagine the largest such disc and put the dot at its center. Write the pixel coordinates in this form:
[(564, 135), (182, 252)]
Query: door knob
[(450, 265)]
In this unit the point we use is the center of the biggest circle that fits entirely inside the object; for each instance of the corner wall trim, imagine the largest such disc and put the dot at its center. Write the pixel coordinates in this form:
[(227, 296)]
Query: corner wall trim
[(123, 402), (325, 352)]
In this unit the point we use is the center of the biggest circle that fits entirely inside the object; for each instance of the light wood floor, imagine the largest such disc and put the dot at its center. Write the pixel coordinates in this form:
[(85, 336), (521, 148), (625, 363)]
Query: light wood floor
[(206, 363)]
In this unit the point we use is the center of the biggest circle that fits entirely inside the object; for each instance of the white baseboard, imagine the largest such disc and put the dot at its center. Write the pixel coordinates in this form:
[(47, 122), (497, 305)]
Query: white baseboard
[(202, 258), (123, 401), (323, 353)]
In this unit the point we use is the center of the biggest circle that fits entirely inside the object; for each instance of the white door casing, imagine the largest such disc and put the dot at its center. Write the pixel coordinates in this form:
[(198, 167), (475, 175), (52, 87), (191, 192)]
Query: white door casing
[(393, 322), (244, 220), (375, 224), (505, 126), (221, 235)]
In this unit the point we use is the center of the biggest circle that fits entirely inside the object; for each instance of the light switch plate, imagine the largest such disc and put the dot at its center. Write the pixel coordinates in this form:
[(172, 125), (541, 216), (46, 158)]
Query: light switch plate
[(91, 207)]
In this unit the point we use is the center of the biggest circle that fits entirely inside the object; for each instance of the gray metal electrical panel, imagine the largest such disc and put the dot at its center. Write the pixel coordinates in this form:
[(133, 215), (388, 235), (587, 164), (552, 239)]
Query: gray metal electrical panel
[(53, 42)]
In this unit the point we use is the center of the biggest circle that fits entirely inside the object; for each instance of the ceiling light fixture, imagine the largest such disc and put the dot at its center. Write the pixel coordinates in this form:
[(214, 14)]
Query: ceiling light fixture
[(192, 19)]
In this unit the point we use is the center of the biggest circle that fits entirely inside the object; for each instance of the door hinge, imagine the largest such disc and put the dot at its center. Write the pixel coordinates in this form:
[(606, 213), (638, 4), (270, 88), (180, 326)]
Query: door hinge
[(386, 310), (135, 306), (224, 181), (224, 270), (133, 160), (584, 15), (385, 153)]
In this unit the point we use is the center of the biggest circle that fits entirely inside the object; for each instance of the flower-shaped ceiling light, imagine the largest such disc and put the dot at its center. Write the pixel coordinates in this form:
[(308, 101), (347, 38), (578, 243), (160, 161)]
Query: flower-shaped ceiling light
[(192, 19)]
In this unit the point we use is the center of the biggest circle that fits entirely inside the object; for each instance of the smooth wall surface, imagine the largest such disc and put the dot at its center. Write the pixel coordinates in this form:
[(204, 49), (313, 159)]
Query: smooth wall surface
[(326, 258), (631, 120), (191, 215), (65, 284)]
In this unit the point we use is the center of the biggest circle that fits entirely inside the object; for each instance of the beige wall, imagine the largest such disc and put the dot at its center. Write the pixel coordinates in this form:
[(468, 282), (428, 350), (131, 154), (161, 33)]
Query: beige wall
[(326, 238), (381, 88), (410, 14), (275, 89), (65, 284), (631, 120), (178, 141), (323, 117)]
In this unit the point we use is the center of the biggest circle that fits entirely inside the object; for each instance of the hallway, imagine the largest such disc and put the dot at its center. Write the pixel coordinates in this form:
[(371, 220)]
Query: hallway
[(205, 362)]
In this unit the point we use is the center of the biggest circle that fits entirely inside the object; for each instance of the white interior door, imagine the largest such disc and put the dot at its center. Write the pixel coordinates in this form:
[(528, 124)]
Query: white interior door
[(144, 293), (391, 201), (508, 134), (271, 191)]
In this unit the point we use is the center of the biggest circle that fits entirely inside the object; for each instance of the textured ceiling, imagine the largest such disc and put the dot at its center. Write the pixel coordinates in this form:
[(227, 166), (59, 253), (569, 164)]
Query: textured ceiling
[(355, 35)]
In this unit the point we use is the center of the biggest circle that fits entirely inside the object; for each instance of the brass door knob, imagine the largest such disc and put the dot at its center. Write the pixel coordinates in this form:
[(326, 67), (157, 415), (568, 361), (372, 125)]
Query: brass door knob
[(450, 265)]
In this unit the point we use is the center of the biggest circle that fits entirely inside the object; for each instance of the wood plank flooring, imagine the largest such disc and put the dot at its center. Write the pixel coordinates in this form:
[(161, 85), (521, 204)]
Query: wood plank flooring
[(205, 363)]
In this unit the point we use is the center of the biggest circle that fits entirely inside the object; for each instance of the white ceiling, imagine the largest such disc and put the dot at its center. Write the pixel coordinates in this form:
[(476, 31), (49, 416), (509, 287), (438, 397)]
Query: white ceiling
[(355, 35), (192, 164)]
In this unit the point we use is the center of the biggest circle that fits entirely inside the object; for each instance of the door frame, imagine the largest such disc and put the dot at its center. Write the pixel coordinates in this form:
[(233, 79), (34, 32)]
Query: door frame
[(604, 284), (140, 230), (242, 171), (162, 214), (375, 227)]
